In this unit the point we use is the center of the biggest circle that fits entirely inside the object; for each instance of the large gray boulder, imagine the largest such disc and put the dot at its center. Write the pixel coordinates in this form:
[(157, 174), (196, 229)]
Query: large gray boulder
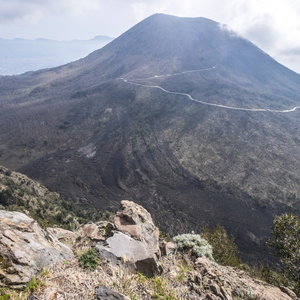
[(25, 249), (135, 242), (137, 222), (122, 249)]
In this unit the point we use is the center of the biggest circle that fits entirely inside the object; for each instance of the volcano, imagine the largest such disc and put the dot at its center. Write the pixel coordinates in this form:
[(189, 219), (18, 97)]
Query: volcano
[(180, 115)]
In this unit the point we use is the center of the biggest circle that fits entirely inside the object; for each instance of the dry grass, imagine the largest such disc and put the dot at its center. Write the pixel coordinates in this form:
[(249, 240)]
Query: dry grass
[(14, 295), (68, 281)]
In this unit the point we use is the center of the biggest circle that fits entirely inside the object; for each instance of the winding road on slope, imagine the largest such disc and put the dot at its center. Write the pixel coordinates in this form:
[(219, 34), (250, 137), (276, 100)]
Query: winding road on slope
[(134, 82)]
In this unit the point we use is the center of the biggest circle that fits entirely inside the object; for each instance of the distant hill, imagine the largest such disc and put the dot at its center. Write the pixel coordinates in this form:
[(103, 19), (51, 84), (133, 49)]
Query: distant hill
[(20, 55), (184, 117)]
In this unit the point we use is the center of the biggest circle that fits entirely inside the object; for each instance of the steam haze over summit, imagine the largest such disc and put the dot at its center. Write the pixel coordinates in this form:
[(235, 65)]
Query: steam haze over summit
[(273, 25)]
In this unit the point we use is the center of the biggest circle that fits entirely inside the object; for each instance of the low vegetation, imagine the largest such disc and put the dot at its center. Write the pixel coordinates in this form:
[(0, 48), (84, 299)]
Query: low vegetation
[(89, 259), (225, 251), (19, 193), (286, 233), (286, 243), (77, 279), (194, 243)]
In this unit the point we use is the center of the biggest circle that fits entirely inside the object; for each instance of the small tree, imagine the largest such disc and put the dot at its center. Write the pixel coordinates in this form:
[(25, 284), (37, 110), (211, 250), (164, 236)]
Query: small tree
[(286, 243), (225, 251)]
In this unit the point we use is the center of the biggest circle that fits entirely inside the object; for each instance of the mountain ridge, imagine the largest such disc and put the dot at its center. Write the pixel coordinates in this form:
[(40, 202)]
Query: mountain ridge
[(189, 266)]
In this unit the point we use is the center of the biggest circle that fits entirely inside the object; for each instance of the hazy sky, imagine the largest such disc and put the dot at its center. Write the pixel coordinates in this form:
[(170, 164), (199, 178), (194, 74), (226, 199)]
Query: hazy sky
[(273, 25)]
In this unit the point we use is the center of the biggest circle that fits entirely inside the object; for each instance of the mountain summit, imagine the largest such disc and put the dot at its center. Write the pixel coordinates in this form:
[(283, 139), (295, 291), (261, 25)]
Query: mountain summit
[(163, 44), (193, 122)]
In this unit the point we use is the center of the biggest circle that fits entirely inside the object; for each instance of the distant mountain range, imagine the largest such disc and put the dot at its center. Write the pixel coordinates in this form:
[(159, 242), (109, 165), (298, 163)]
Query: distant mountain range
[(20, 55), (178, 114)]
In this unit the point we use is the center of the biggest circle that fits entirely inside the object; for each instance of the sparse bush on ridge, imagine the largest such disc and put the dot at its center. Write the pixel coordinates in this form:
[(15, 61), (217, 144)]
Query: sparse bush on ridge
[(286, 243), (225, 251), (18, 193), (195, 243), (161, 291)]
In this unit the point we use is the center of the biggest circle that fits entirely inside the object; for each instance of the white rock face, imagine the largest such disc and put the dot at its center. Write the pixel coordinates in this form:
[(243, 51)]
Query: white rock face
[(134, 254), (136, 241), (25, 249), (136, 221), (125, 247)]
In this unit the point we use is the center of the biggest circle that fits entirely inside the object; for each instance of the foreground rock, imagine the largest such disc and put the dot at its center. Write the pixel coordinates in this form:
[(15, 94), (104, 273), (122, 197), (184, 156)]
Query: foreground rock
[(136, 221), (136, 241), (90, 234), (25, 249), (202, 280), (63, 235), (211, 281), (123, 250)]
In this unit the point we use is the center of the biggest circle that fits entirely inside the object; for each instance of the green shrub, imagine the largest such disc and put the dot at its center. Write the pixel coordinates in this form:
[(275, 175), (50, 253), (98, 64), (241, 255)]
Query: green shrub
[(286, 243), (194, 242), (161, 291), (225, 250), (89, 259), (270, 276), (33, 284)]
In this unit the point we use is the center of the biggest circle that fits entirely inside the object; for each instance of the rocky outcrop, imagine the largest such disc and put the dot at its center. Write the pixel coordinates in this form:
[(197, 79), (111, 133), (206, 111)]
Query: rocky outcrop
[(25, 249), (136, 241), (167, 248), (136, 221), (212, 281), (121, 248), (63, 235), (90, 234)]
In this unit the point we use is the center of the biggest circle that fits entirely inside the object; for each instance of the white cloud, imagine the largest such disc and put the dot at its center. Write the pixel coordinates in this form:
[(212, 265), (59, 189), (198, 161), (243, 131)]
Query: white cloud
[(15, 10), (273, 25)]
